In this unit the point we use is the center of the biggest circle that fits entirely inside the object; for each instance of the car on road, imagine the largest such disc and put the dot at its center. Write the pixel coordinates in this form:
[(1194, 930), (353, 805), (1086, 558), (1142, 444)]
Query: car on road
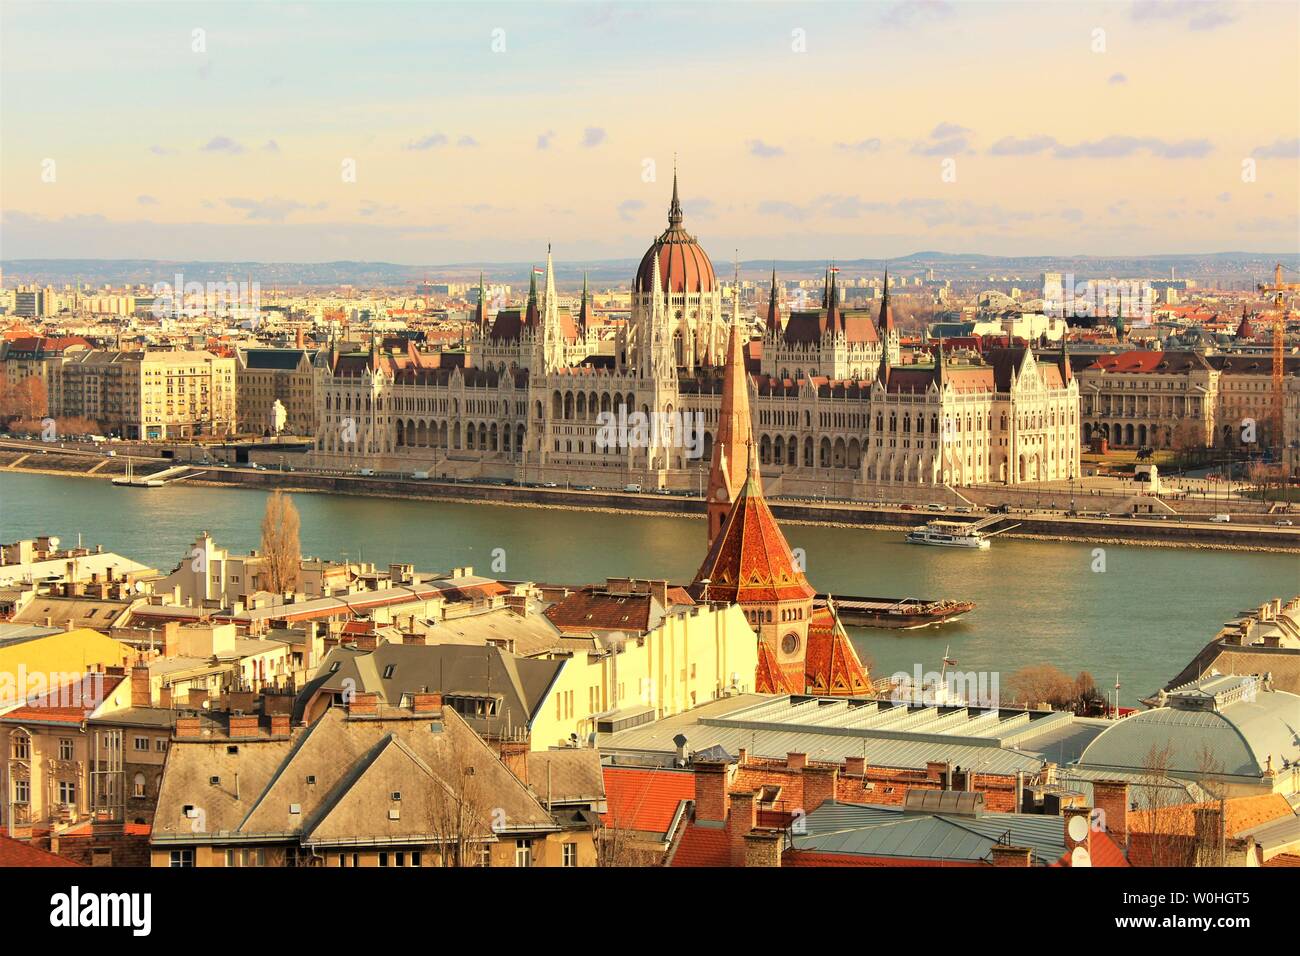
[(1284, 522), (549, 484), (1221, 519), (935, 506), (963, 509)]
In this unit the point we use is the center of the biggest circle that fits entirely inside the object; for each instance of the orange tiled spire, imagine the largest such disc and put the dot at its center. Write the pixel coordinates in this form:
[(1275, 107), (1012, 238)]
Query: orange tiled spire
[(735, 431)]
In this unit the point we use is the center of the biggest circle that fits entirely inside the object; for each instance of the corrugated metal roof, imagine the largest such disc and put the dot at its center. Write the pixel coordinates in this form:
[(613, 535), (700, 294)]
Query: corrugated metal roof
[(832, 729)]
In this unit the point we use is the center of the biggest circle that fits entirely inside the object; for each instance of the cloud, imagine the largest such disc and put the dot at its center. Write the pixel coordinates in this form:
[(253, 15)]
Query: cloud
[(946, 139), (1280, 149), (1224, 197), (944, 130), (1029, 146), (592, 136), (371, 208), (467, 142), (1113, 147), (270, 146), (272, 209), (932, 212), (911, 12), (146, 200), (222, 144), (871, 145), (544, 139), (628, 209), (763, 150), (432, 141), (161, 150), (1199, 14), (1117, 79)]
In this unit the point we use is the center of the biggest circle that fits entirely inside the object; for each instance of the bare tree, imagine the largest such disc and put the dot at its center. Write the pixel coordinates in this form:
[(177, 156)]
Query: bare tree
[(458, 815), (1165, 814), (1042, 683), (281, 552)]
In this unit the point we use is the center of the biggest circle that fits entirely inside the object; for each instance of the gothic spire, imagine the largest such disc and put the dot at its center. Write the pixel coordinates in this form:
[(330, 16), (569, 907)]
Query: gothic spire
[(886, 323), (773, 308), (482, 304), (583, 315), (675, 210)]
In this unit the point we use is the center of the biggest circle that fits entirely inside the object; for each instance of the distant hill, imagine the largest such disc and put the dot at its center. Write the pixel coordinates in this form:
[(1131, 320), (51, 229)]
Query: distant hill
[(617, 272)]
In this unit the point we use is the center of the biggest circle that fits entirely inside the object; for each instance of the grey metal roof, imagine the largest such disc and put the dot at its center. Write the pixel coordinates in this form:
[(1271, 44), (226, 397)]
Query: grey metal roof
[(1229, 725), (890, 832), (885, 734)]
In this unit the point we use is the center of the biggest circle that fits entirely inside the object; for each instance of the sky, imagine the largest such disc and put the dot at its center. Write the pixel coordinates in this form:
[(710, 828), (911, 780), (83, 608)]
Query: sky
[(419, 132)]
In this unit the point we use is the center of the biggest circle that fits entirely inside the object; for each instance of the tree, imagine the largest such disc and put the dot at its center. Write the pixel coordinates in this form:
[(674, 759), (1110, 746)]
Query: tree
[(1042, 683), (281, 552)]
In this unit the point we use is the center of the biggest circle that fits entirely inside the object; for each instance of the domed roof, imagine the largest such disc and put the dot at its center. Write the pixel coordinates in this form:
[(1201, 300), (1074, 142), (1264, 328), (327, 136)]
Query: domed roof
[(683, 265)]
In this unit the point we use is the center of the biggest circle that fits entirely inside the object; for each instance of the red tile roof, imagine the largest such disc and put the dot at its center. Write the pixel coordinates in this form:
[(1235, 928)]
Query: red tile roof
[(703, 846), (645, 800), (17, 853), (591, 610), (67, 704)]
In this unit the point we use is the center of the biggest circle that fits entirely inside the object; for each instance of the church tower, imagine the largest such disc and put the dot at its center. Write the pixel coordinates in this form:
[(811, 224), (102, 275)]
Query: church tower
[(735, 432)]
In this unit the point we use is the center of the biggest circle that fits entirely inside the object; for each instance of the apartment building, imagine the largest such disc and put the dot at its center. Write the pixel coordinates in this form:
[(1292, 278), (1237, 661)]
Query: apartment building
[(152, 395), (266, 376)]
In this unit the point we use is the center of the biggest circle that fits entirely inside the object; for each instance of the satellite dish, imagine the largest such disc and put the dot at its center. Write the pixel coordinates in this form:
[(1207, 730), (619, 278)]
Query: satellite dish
[(1080, 856), (1078, 829), (54, 544)]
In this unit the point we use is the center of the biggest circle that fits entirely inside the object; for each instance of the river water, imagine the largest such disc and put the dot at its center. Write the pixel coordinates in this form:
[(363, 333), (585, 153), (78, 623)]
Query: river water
[(1143, 616)]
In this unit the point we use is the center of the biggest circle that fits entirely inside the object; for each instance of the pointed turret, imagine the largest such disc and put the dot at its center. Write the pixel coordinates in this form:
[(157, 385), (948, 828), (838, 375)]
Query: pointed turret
[(826, 288), (834, 319), (530, 314), (882, 369), (584, 316), (675, 207), (481, 312), (938, 364), (1066, 372), (773, 308), (886, 322), (735, 431)]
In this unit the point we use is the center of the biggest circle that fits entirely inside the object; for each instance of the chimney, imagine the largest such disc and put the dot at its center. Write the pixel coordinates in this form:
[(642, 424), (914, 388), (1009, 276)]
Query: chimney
[(364, 704), (426, 703), (242, 726), (1018, 856), (763, 848), (187, 728), (938, 771), (165, 698), (679, 742), (818, 786), (140, 693), (1078, 835), (514, 754), (279, 725), (855, 766), (741, 822), (796, 761), (1110, 797), (171, 638), (711, 801)]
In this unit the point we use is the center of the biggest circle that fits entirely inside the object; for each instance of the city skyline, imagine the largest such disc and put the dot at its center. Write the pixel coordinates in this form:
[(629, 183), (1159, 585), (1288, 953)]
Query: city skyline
[(567, 133)]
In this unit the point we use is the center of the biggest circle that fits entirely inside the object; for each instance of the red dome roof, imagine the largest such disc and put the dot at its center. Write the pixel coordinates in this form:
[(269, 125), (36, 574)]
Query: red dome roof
[(683, 265)]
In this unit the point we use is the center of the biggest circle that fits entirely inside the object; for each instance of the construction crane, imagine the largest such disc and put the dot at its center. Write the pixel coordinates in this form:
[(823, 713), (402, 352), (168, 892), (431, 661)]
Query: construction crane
[(1279, 289)]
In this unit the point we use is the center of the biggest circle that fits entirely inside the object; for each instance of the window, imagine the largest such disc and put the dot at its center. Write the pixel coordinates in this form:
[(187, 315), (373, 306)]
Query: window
[(142, 743), (65, 748), (485, 855), (570, 854), (138, 786), (68, 792), (160, 745), (181, 858), (415, 858), (22, 746), (22, 791), (383, 859), (523, 852)]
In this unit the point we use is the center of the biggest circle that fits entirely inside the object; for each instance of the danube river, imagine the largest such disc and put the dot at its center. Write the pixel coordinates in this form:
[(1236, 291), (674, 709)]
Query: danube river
[(1143, 616)]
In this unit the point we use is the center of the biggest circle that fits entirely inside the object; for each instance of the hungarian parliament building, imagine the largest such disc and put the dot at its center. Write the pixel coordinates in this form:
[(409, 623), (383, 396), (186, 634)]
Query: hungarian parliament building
[(835, 411)]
